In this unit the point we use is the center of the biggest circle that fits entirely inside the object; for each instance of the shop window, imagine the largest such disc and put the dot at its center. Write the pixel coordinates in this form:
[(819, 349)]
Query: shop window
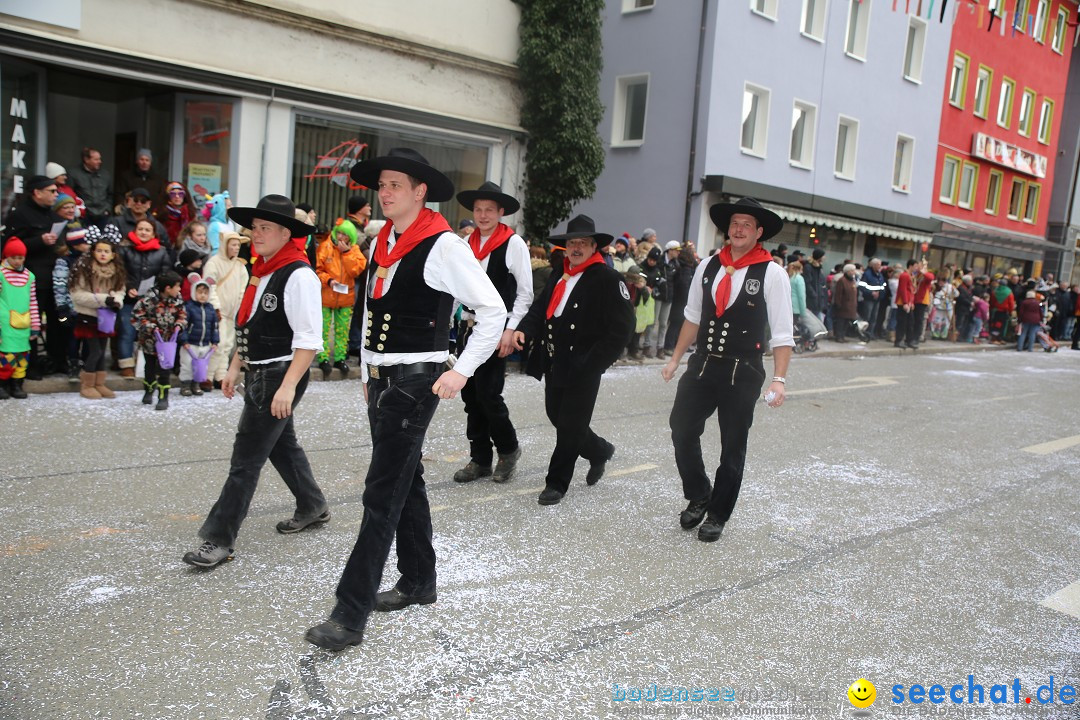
[(983, 82), (628, 118), (803, 130), (207, 146), (905, 151), (755, 120), (847, 145), (20, 93), (993, 192), (913, 50), (813, 18)]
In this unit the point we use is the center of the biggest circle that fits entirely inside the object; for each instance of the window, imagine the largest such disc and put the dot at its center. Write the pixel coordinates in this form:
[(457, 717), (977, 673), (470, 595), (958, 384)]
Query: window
[(913, 51), (1046, 120), (983, 82), (1031, 203), (993, 192), (1020, 15), (803, 130), (1042, 19), (1027, 112), (958, 80), (969, 179), (813, 18), (765, 7), (847, 145), (950, 173), (628, 120), (629, 6), (1062, 22), (1016, 199), (1005, 101), (858, 24), (755, 119), (901, 174)]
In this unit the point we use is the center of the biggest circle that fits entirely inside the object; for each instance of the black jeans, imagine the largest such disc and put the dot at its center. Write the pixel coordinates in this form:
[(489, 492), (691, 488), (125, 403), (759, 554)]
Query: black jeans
[(570, 408), (905, 323), (395, 499), (488, 419), (261, 436), (730, 388), (919, 323), (155, 375)]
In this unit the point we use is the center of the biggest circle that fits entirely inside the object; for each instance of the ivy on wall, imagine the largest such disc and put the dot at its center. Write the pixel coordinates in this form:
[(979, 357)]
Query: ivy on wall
[(560, 62)]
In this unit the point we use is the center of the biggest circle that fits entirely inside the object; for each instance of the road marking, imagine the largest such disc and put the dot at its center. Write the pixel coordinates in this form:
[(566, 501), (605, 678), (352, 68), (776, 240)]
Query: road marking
[(863, 382), (1066, 600), (1007, 397), (1053, 446)]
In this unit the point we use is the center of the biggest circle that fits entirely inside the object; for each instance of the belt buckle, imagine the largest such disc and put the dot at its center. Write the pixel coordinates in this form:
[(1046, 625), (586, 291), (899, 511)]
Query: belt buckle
[(373, 371)]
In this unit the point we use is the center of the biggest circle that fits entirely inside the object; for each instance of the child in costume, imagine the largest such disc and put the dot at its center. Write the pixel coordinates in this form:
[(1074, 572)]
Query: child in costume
[(161, 310), (19, 318), (200, 336), (338, 265), (97, 285), (230, 274), (215, 213), (71, 244)]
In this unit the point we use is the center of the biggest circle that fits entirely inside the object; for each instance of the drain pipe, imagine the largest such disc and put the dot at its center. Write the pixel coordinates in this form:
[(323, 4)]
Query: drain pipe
[(692, 160), (266, 132)]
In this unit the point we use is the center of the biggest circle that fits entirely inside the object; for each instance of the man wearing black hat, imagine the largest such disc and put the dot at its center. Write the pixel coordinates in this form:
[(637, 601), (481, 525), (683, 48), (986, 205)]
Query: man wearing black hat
[(733, 296), (418, 267), (279, 330), (578, 327), (137, 206), (504, 256)]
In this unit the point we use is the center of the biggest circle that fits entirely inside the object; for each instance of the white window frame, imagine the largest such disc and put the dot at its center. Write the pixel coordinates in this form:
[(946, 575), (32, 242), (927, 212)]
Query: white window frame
[(1046, 120), (766, 5), (1006, 82), (862, 31), (632, 6), (821, 12), (1060, 30), (618, 116), (907, 162), (984, 110), (761, 127), (1027, 99), (954, 186), (1042, 21), (852, 142), (954, 82), (806, 161), (915, 62), (967, 200)]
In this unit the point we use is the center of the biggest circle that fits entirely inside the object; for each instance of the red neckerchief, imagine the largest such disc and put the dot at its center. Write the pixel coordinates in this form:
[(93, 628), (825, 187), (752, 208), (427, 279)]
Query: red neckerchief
[(288, 253), (426, 224), (569, 272), (144, 245), (499, 237), (756, 255)]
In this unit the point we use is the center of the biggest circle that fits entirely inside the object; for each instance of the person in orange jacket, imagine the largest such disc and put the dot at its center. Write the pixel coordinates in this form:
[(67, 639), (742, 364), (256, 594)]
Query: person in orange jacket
[(338, 263)]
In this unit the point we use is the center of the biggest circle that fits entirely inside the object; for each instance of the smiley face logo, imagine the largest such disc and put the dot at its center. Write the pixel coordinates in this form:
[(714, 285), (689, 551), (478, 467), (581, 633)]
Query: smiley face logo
[(862, 693)]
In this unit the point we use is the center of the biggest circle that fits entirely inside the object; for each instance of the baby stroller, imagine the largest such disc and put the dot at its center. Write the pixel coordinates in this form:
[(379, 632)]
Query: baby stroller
[(807, 331)]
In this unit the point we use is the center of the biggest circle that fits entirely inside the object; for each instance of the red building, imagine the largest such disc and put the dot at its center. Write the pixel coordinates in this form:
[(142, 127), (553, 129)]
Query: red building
[(1000, 122)]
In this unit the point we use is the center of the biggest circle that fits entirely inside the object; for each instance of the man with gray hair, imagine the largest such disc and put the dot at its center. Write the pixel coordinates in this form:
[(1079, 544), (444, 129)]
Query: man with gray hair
[(871, 290), (141, 175)]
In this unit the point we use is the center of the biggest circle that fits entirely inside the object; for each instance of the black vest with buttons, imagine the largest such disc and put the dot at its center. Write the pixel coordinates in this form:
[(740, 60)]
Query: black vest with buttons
[(740, 331), (267, 333), (500, 275), (411, 316)]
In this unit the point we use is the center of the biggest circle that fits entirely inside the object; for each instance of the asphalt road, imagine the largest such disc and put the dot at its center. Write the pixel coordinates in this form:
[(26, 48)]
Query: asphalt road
[(908, 520)]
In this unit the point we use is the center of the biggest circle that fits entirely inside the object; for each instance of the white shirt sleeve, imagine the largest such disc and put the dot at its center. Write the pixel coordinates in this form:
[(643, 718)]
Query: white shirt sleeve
[(692, 312), (520, 266), (778, 302), (303, 307)]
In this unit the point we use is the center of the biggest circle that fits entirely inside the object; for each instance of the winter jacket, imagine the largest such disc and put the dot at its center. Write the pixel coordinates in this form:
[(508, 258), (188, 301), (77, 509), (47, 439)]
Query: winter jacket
[(870, 283), (93, 188), (174, 220), (623, 264), (798, 294), (334, 266), (202, 324), (28, 221), (656, 275), (142, 266), (136, 178), (814, 279), (1030, 312), (153, 312), (126, 222), (61, 277), (86, 300), (230, 281), (845, 299)]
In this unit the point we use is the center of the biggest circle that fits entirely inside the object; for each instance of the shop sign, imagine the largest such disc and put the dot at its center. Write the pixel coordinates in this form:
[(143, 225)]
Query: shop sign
[(1008, 155)]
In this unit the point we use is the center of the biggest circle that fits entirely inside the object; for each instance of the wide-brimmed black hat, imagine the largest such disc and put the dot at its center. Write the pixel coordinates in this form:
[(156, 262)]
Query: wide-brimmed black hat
[(489, 191), (275, 208), (582, 226), (769, 221), (410, 162)]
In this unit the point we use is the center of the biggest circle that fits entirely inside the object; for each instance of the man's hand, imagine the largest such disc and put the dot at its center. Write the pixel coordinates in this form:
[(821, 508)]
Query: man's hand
[(777, 389), (449, 384), (281, 405), (49, 238), (228, 385), (133, 293), (519, 340), (506, 343), (668, 371)]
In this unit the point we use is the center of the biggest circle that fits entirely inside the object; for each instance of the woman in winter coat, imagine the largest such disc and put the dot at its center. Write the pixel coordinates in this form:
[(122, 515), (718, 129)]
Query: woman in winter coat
[(230, 274), (845, 303), (175, 210)]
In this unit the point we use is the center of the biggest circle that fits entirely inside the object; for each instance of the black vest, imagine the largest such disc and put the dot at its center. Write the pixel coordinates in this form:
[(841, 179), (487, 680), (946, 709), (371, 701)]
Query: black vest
[(267, 333), (410, 317), (740, 331), (501, 276)]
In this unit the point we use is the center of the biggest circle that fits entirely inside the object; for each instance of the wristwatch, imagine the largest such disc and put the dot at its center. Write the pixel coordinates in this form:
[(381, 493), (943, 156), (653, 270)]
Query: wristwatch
[(782, 381)]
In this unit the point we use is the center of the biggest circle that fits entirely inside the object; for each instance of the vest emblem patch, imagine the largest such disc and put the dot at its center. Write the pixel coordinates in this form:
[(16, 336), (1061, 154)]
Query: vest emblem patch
[(269, 302), (624, 291), (753, 287)]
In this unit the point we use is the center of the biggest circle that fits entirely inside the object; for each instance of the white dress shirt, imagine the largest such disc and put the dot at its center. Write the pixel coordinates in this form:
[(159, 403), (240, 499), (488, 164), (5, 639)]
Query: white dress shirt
[(303, 307), (452, 268), (777, 292), (519, 264)]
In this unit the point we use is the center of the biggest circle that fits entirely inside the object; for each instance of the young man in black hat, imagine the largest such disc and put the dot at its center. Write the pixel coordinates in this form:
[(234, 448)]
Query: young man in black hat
[(733, 296), (418, 267), (504, 256), (578, 328), (279, 330)]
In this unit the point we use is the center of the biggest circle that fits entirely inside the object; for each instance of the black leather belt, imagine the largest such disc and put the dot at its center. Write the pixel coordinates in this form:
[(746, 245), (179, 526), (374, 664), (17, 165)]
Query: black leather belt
[(395, 372), (264, 367)]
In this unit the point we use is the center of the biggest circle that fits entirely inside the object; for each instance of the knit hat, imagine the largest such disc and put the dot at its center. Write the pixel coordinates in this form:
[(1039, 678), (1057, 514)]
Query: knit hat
[(112, 234), (818, 253), (76, 236), (346, 227), (466, 223), (54, 170), (146, 152), (624, 241), (61, 200), (357, 203), (38, 182), (14, 246), (188, 256)]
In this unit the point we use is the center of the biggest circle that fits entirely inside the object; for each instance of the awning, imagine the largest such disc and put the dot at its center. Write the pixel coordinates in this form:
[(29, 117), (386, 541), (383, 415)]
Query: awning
[(982, 238), (816, 219)]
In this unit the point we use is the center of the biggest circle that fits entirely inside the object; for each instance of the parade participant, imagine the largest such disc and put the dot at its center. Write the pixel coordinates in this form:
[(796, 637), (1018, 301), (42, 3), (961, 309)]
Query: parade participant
[(418, 267), (504, 256), (734, 295), (586, 307), (906, 336), (20, 320), (278, 333)]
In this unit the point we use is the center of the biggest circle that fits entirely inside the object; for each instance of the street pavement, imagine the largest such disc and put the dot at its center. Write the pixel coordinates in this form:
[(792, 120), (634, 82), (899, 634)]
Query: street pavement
[(907, 519)]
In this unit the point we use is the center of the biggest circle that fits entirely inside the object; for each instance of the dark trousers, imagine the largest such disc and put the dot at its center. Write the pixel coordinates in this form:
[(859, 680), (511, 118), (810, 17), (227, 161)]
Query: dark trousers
[(919, 323), (904, 327), (841, 327), (395, 499), (261, 436), (729, 388), (569, 409), (154, 372), (95, 353), (488, 419), (1076, 334)]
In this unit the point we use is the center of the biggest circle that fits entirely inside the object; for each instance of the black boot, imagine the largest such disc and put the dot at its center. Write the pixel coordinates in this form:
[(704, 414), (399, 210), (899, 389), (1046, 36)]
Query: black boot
[(196, 388), (343, 368), (16, 389), (3, 390), (163, 397), (148, 396)]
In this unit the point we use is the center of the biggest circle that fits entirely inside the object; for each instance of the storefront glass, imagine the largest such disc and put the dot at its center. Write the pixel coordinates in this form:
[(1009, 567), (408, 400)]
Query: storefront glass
[(207, 146), (20, 93)]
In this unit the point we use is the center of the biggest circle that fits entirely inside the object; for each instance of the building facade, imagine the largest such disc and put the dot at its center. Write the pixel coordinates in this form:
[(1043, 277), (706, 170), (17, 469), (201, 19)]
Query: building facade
[(1003, 112), (259, 96)]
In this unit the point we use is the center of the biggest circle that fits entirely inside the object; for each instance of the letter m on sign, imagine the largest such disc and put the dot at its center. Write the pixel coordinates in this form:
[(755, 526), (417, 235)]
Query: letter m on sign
[(18, 108)]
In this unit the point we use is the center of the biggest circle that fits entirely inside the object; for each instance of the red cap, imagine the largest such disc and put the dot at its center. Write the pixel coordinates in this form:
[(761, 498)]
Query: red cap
[(15, 246)]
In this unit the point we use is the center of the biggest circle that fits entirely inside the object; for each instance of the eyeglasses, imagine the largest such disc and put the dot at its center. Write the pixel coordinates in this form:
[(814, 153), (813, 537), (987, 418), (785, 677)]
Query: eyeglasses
[(140, 199), (51, 190), (177, 192)]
